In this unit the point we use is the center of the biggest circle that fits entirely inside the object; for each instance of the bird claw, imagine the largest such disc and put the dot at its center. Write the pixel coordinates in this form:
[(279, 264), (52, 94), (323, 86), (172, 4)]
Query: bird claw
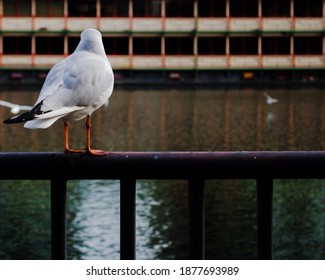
[(95, 152), (87, 151), (71, 151)]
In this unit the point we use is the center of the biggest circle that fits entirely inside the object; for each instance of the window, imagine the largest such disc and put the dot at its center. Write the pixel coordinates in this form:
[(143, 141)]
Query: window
[(308, 45), (179, 8), (212, 45), (49, 45), (49, 8), (243, 45), (276, 8), (308, 8), (247, 8), (179, 45), (148, 45), (17, 7), (82, 8), (17, 45), (114, 8), (72, 44), (112, 45), (276, 45), (145, 8), (212, 8), (116, 45)]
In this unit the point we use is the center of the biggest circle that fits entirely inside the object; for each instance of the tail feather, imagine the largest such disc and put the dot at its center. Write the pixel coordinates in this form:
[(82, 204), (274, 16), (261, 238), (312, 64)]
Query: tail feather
[(25, 116), (20, 118)]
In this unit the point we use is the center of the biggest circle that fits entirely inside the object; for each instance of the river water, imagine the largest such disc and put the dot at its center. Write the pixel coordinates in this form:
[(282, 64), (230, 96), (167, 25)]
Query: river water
[(172, 120)]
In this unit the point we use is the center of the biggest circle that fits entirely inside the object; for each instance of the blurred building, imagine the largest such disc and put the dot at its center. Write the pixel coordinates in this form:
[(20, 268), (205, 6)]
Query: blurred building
[(202, 41)]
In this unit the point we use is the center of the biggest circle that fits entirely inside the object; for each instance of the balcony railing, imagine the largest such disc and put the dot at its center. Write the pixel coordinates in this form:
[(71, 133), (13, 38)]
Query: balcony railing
[(196, 167), (167, 24)]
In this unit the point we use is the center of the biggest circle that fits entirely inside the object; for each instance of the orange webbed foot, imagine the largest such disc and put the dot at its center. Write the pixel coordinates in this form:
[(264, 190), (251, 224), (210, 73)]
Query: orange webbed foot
[(95, 152)]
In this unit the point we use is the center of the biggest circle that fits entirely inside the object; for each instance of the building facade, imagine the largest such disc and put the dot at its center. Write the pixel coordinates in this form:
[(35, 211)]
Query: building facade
[(170, 40)]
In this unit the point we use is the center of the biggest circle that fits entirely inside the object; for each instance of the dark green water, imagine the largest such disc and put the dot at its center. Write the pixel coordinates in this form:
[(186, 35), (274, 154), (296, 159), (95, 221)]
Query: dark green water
[(177, 120)]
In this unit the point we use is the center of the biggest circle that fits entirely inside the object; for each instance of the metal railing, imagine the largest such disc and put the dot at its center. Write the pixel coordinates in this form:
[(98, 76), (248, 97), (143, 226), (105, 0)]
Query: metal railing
[(196, 167)]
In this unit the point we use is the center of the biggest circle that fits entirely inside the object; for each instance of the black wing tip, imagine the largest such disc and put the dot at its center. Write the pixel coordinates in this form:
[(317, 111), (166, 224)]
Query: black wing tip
[(25, 116), (8, 120), (20, 118)]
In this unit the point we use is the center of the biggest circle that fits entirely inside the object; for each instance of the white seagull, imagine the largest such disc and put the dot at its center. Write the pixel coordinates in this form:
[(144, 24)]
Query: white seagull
[(15, 108), (74, 88), (270, 100)]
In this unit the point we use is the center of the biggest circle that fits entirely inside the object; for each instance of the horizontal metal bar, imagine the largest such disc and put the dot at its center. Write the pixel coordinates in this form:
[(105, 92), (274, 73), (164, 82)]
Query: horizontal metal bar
[(164, 165)]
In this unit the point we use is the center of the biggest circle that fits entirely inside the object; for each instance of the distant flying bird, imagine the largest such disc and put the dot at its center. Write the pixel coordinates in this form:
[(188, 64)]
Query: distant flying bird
[(74, 88), (270, 100), (15, 108)]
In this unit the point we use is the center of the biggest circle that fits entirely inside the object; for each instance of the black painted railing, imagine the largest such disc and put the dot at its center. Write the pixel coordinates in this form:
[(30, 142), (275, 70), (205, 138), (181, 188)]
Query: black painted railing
[(196, 167)]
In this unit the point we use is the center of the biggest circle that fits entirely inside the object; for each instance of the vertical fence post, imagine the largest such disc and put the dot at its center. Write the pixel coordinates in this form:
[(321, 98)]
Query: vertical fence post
[(196, 219), (264, 218), (127, 219), (58, 219)]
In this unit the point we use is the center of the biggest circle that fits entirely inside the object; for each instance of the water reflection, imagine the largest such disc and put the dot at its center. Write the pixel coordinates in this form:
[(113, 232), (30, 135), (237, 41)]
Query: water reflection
[(93, 210), (167, 218), (25, 220), (197, 120), (299, 219)]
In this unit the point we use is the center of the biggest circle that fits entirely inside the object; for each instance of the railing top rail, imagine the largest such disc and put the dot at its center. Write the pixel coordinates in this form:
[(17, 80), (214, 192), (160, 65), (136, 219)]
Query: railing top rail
[(164, 165)]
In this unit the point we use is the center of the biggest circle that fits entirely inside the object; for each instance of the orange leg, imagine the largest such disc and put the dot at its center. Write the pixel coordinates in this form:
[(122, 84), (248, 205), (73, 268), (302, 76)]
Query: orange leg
[(66, 140), (88, 149)]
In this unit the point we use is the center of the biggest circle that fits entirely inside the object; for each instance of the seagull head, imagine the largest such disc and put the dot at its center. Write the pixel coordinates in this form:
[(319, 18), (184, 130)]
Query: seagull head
[(90, 33), (91, 41)]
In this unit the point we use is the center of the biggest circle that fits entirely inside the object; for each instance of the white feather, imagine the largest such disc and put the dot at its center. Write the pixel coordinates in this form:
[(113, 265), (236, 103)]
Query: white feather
[(40, 123)]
